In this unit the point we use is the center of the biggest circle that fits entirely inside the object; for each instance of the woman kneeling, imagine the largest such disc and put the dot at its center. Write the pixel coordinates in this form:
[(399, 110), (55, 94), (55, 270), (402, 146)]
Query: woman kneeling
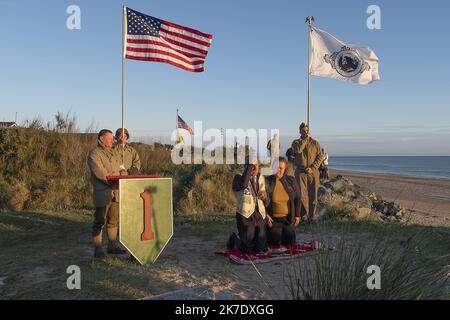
[(284, 207)]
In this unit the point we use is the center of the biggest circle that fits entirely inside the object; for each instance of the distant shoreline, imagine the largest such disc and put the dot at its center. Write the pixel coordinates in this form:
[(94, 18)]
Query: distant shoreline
[(428, 167), (399, 175), (428, 197), (381, 156)]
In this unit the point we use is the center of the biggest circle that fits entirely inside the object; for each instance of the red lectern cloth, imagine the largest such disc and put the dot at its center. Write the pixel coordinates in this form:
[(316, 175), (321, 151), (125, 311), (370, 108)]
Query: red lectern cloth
[(111, 179)]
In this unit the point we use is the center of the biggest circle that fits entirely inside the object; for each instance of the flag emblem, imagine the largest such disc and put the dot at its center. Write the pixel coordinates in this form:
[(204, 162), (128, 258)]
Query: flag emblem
[(332, 58), (347, 62), (181, 124), (153, 39)]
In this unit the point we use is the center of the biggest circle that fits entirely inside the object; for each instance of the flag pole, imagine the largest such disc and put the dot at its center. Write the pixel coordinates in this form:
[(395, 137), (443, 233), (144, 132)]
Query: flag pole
[(176, 127), (124, 31), (309, 21)]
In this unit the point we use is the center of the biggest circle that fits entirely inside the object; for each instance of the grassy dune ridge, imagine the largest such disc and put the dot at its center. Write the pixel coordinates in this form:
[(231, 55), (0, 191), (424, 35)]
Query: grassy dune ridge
[(45, 169)]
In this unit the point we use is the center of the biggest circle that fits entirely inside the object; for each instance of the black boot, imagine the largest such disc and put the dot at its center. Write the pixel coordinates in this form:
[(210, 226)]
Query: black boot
[(99, 253), (231, 241), (113, 248)]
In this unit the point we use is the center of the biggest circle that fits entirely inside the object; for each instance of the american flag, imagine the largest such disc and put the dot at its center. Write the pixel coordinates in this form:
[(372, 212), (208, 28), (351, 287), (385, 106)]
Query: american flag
[(183, 125), (152, 39)]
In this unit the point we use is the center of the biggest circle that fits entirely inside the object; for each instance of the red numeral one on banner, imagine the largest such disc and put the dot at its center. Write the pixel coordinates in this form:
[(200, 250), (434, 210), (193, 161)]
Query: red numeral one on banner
[(148, 233)]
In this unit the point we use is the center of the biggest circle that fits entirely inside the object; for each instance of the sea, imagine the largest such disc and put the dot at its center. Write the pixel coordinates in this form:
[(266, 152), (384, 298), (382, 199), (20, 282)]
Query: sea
[(423, 167)]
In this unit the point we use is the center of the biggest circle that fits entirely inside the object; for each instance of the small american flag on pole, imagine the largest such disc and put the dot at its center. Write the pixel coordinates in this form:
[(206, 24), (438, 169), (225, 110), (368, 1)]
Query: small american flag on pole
[(151, 39), (183, 125)]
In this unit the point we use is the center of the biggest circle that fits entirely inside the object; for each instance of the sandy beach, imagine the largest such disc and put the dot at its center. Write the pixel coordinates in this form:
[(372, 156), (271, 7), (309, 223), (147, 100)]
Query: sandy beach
[(429, 198)]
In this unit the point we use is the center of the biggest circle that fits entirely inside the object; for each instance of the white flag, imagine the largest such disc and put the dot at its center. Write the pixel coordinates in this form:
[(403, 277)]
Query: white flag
[(334, 59)]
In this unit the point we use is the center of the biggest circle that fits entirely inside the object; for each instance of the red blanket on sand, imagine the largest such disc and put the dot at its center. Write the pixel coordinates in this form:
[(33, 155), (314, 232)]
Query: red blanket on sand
[(274, 253)]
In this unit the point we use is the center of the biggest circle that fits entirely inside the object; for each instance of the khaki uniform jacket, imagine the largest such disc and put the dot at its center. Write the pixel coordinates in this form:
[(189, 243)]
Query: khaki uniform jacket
[(102, 162), (130, 156), (308, 154), (246, 198), (290, 169)]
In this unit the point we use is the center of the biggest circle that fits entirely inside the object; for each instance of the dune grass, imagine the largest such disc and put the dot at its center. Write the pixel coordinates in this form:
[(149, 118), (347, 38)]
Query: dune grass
[(414, 263)]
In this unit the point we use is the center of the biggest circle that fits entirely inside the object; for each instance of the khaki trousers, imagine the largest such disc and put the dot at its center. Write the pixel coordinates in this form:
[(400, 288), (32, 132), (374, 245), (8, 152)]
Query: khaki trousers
[(108, 215), (309, 184)]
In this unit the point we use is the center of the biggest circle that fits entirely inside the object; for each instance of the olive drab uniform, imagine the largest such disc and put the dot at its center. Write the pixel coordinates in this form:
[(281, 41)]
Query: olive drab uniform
[(103, 162), (129, 156), (308, 154)]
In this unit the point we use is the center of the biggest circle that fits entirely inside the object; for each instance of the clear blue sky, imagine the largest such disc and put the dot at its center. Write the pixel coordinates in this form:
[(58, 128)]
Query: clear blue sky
[(255, 71)]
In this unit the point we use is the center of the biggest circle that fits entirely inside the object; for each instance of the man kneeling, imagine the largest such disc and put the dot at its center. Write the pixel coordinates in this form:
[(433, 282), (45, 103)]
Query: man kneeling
[(251, 215)]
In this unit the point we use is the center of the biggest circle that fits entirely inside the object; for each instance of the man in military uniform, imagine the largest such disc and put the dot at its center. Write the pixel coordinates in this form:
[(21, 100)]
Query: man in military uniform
[(307, 159), (128, 156), (103, 162)]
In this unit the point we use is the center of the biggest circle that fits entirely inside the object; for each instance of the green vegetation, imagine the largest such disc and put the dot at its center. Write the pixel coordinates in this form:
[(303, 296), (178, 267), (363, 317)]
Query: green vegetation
[(38, 247), (414, 263), (45, 169), (339, 210)]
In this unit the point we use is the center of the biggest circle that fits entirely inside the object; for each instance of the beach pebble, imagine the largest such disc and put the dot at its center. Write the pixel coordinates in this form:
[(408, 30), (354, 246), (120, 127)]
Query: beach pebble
[(363, 203), (337, 185), (349, 194), (328, 185), (364, 213), (392, 219), (323, 194)]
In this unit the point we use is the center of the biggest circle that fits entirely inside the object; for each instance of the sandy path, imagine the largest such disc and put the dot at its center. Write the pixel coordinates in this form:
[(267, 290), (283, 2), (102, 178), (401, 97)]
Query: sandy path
[(202, 267)]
